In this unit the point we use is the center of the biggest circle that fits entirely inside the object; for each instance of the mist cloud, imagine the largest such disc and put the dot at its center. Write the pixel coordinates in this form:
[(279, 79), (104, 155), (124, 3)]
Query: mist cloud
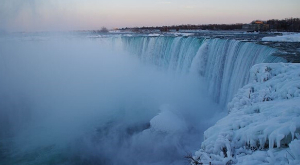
[(75, 97), (11, 10)]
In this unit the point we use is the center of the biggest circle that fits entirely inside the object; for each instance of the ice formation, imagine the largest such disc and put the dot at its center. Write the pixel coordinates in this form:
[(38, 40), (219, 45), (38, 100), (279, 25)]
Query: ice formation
[(263, 123), (284, 38)]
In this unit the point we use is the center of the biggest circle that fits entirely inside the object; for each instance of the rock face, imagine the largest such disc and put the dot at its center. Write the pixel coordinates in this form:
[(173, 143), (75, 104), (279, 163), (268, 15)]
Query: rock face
[(263, 123)]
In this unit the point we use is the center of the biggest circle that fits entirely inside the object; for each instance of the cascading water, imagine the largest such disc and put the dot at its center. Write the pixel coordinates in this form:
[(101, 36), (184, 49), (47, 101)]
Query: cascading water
[(73, 100), (224, 63)]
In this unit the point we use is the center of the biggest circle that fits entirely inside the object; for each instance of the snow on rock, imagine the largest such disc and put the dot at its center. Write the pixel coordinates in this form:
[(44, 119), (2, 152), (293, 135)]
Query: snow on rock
[(154, 35), (263, 123), (127, 35), (167, 121), (183, 34), (284, 38)]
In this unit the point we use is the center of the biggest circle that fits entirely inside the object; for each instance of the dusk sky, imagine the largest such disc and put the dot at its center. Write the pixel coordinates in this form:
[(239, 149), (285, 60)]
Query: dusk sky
[(57, 15)]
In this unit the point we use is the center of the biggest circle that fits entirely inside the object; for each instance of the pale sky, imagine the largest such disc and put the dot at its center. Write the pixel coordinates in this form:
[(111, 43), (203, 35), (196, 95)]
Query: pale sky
[(60, 15)]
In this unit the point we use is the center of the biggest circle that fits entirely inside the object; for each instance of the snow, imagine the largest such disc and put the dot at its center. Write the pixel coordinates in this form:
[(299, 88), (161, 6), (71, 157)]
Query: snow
[(183, 34), (263, 123), (154, 35), (284, 38), (128, 35)]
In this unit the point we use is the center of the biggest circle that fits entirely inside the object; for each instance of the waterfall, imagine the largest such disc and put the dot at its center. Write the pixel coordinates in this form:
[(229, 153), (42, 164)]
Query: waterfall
[(224, 63)]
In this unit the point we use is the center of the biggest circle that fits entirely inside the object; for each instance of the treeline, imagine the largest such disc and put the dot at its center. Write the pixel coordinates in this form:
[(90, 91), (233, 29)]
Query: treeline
[(288, 24), (188, 27)]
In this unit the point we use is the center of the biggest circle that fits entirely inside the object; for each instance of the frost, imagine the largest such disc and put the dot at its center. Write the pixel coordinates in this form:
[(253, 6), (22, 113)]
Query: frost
[(263, 123)]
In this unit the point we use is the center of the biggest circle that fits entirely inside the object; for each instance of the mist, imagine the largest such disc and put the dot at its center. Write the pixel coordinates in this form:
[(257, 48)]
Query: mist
[(77, 100)]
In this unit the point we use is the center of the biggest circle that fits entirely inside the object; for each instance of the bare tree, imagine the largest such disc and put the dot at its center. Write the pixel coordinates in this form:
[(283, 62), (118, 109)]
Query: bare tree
[(103, 30)]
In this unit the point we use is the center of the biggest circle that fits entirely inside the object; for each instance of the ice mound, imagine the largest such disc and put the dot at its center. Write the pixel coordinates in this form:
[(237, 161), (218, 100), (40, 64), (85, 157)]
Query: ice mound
[(167, 121), (263, 123)]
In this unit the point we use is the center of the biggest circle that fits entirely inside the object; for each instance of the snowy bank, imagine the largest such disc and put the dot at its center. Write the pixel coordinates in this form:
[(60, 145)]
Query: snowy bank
[(263, 123), (284, 38)]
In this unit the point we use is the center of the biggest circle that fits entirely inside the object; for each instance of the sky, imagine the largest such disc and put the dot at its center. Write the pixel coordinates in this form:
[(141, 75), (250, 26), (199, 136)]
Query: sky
[(62, 15)]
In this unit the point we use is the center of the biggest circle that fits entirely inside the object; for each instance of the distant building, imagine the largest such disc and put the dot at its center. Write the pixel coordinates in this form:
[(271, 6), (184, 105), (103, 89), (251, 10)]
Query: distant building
[(256, 26), (258, 22)]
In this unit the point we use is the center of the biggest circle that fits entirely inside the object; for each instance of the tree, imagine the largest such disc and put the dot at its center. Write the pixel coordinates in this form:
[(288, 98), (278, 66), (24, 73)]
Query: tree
[(103, 30)]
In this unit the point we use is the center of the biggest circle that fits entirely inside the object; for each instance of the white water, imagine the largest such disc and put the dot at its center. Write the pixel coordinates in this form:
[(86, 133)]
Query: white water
[(224, 63)]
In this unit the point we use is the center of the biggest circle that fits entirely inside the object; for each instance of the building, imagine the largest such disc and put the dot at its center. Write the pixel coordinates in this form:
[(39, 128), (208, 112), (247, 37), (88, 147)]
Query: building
[(256, 26)]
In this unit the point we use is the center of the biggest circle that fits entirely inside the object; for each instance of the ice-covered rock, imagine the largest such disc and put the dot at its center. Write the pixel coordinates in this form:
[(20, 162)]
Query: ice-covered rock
[(154, 35), (263, 123), (284, 38)]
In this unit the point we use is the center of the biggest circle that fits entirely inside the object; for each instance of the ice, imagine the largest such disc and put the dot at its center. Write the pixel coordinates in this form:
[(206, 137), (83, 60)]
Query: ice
[(263, 120), (284, 38), (294, 146)]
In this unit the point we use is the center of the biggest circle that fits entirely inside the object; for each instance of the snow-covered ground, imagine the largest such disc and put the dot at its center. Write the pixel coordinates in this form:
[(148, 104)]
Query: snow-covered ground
[(284, 38), (263, 123)]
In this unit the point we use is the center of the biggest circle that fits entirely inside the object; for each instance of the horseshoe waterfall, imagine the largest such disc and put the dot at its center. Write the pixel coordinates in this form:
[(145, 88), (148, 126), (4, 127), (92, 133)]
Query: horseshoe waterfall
[(142, 99), (224, 63)]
